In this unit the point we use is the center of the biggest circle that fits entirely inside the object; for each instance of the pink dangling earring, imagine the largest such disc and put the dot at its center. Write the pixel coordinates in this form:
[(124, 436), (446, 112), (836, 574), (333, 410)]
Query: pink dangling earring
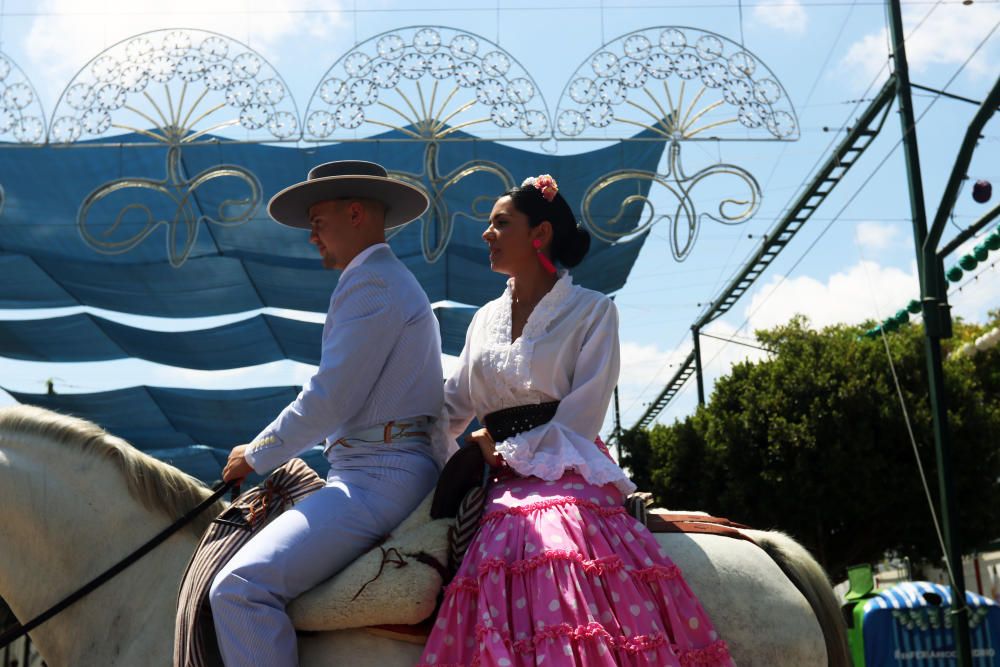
[(542, 259)]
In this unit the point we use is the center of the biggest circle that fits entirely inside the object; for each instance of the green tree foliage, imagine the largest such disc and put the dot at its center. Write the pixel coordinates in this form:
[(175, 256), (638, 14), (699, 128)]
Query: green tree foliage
[(813, 441)]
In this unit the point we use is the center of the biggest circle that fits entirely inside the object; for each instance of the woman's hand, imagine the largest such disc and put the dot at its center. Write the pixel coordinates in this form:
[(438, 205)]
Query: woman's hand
[(237, 467), (485, 441)]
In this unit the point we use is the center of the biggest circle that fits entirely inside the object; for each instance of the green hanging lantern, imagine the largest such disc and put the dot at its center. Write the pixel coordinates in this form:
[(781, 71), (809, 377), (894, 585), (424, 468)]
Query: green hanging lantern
[(913, 306), (890, 325), (954, 274), (902, 317), (981, 252), (968, 262), (993, 240)]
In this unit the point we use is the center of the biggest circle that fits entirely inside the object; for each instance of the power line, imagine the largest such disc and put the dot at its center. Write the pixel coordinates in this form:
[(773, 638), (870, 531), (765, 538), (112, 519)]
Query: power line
[(455, 9), (784, 147), (863, 184), (736, 342)]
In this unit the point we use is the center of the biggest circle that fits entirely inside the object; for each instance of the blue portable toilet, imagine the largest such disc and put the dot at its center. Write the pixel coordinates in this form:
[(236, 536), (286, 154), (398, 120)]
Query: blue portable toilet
[(908, 625)]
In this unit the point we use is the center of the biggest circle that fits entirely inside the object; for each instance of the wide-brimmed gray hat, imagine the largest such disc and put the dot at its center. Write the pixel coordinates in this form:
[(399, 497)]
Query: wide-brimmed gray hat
[(345, 179)]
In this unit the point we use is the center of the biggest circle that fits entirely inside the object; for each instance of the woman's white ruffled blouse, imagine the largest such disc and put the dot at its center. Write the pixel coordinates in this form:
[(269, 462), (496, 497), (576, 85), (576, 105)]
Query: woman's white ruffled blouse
[(569, 352)]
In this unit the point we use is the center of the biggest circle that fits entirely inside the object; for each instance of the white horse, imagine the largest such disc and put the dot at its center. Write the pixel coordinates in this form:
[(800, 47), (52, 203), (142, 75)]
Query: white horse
[(76, 500)]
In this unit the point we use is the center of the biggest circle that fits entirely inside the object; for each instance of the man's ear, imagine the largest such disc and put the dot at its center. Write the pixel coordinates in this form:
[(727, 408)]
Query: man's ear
[(357, 211)]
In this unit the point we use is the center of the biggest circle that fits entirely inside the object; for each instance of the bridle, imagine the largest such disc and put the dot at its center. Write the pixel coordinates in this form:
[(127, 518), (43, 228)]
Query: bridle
[(19, 630)]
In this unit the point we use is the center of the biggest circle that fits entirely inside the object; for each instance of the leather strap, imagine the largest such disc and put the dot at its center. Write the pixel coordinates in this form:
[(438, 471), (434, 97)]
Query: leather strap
[(384, 434), (20, 630), (665, 522)]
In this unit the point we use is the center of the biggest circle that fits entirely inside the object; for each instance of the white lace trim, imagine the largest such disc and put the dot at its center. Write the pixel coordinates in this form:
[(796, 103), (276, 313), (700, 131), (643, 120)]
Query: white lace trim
[(497, 350), (511, 361), (546, 309), (553, 462)]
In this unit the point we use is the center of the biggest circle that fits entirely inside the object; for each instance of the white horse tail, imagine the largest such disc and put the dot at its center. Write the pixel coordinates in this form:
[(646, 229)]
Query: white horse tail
[(807, 575)]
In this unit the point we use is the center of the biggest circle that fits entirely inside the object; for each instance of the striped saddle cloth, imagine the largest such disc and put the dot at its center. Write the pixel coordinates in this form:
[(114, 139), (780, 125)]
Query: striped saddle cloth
[(195, 643)]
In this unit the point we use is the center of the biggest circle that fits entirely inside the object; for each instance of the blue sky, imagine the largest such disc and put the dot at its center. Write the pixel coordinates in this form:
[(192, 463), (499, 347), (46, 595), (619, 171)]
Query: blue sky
[(827, 54)]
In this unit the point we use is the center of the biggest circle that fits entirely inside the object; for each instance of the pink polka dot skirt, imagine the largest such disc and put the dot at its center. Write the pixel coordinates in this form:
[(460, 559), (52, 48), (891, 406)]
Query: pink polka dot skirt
[(559, 574)]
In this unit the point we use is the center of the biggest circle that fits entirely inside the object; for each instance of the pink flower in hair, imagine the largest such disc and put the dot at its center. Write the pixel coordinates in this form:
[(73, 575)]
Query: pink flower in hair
[(547, 186)]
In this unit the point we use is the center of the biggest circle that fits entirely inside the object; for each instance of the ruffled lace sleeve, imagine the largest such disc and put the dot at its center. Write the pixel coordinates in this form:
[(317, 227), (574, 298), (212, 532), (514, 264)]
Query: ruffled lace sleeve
[(457, 410), (568, 440)]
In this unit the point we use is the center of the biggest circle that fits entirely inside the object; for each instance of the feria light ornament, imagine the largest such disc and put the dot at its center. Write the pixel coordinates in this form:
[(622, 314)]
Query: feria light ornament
[(175, 88), (22, 120), (431, 84), (675, 84)]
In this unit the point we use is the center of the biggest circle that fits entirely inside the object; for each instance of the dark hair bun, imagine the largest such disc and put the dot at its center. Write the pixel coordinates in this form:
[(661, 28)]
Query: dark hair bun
[(572, 247), (570, 243)]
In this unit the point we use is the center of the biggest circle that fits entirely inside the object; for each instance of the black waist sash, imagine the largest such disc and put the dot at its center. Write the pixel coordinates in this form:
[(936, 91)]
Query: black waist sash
[(503, 424)]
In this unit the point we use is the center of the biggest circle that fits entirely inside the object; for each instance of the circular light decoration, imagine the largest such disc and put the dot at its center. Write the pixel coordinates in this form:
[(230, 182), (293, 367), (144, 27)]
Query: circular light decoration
[(676, 83), (427, 83), (176, 87), (21, 117)]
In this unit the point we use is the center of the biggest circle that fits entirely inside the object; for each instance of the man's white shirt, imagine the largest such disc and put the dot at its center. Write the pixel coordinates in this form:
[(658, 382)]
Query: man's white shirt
[(380, 361)]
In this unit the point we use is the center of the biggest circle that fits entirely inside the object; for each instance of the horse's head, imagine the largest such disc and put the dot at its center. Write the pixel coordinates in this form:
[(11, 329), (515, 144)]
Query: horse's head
[(53, 464), (75, 501)]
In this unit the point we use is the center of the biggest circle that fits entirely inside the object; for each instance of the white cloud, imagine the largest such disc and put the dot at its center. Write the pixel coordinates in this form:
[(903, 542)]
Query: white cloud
[(67, 34), (863, 291), (875, 236), (646, 369), (946, 38), (785, 15)]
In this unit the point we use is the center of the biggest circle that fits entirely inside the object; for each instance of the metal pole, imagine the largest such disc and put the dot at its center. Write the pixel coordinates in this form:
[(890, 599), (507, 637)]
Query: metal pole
[(618, 424), (937, 324), (697, 365)]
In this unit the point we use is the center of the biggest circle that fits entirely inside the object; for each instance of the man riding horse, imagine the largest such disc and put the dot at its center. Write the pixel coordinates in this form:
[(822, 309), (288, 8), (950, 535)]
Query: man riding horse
[(372, 401)]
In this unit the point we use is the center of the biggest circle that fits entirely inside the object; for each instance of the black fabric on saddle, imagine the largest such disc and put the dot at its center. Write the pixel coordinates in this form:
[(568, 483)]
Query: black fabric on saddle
[(195, 643), (464, 471), (467, 469)]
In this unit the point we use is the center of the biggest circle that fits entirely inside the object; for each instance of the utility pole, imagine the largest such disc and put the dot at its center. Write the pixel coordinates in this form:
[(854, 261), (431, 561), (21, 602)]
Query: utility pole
[(617, 434), (937, 325), (695, 334)]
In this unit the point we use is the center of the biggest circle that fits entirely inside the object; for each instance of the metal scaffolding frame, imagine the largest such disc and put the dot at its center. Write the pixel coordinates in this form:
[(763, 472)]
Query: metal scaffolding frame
[(831, 172)]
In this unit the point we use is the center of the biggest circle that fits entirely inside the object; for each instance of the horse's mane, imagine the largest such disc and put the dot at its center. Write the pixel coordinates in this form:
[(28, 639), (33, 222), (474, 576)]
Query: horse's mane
[(158, 486)]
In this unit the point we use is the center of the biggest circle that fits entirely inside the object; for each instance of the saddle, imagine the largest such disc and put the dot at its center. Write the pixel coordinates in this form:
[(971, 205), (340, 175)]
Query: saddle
[(659, 520), (395, 585)]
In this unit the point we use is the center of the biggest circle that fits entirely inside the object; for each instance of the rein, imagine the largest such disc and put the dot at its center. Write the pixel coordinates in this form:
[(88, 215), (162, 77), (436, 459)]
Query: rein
[(20, 630)]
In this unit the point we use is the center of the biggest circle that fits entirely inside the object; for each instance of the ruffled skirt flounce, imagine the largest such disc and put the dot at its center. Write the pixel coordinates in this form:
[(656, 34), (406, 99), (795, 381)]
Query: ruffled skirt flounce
[(559, 574)]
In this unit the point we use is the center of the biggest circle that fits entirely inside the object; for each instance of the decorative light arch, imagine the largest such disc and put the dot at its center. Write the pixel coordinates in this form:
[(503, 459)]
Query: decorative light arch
[(22, 119), (21, 116), (427, 83), (431, 84), (644, 79), (174, 88)]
